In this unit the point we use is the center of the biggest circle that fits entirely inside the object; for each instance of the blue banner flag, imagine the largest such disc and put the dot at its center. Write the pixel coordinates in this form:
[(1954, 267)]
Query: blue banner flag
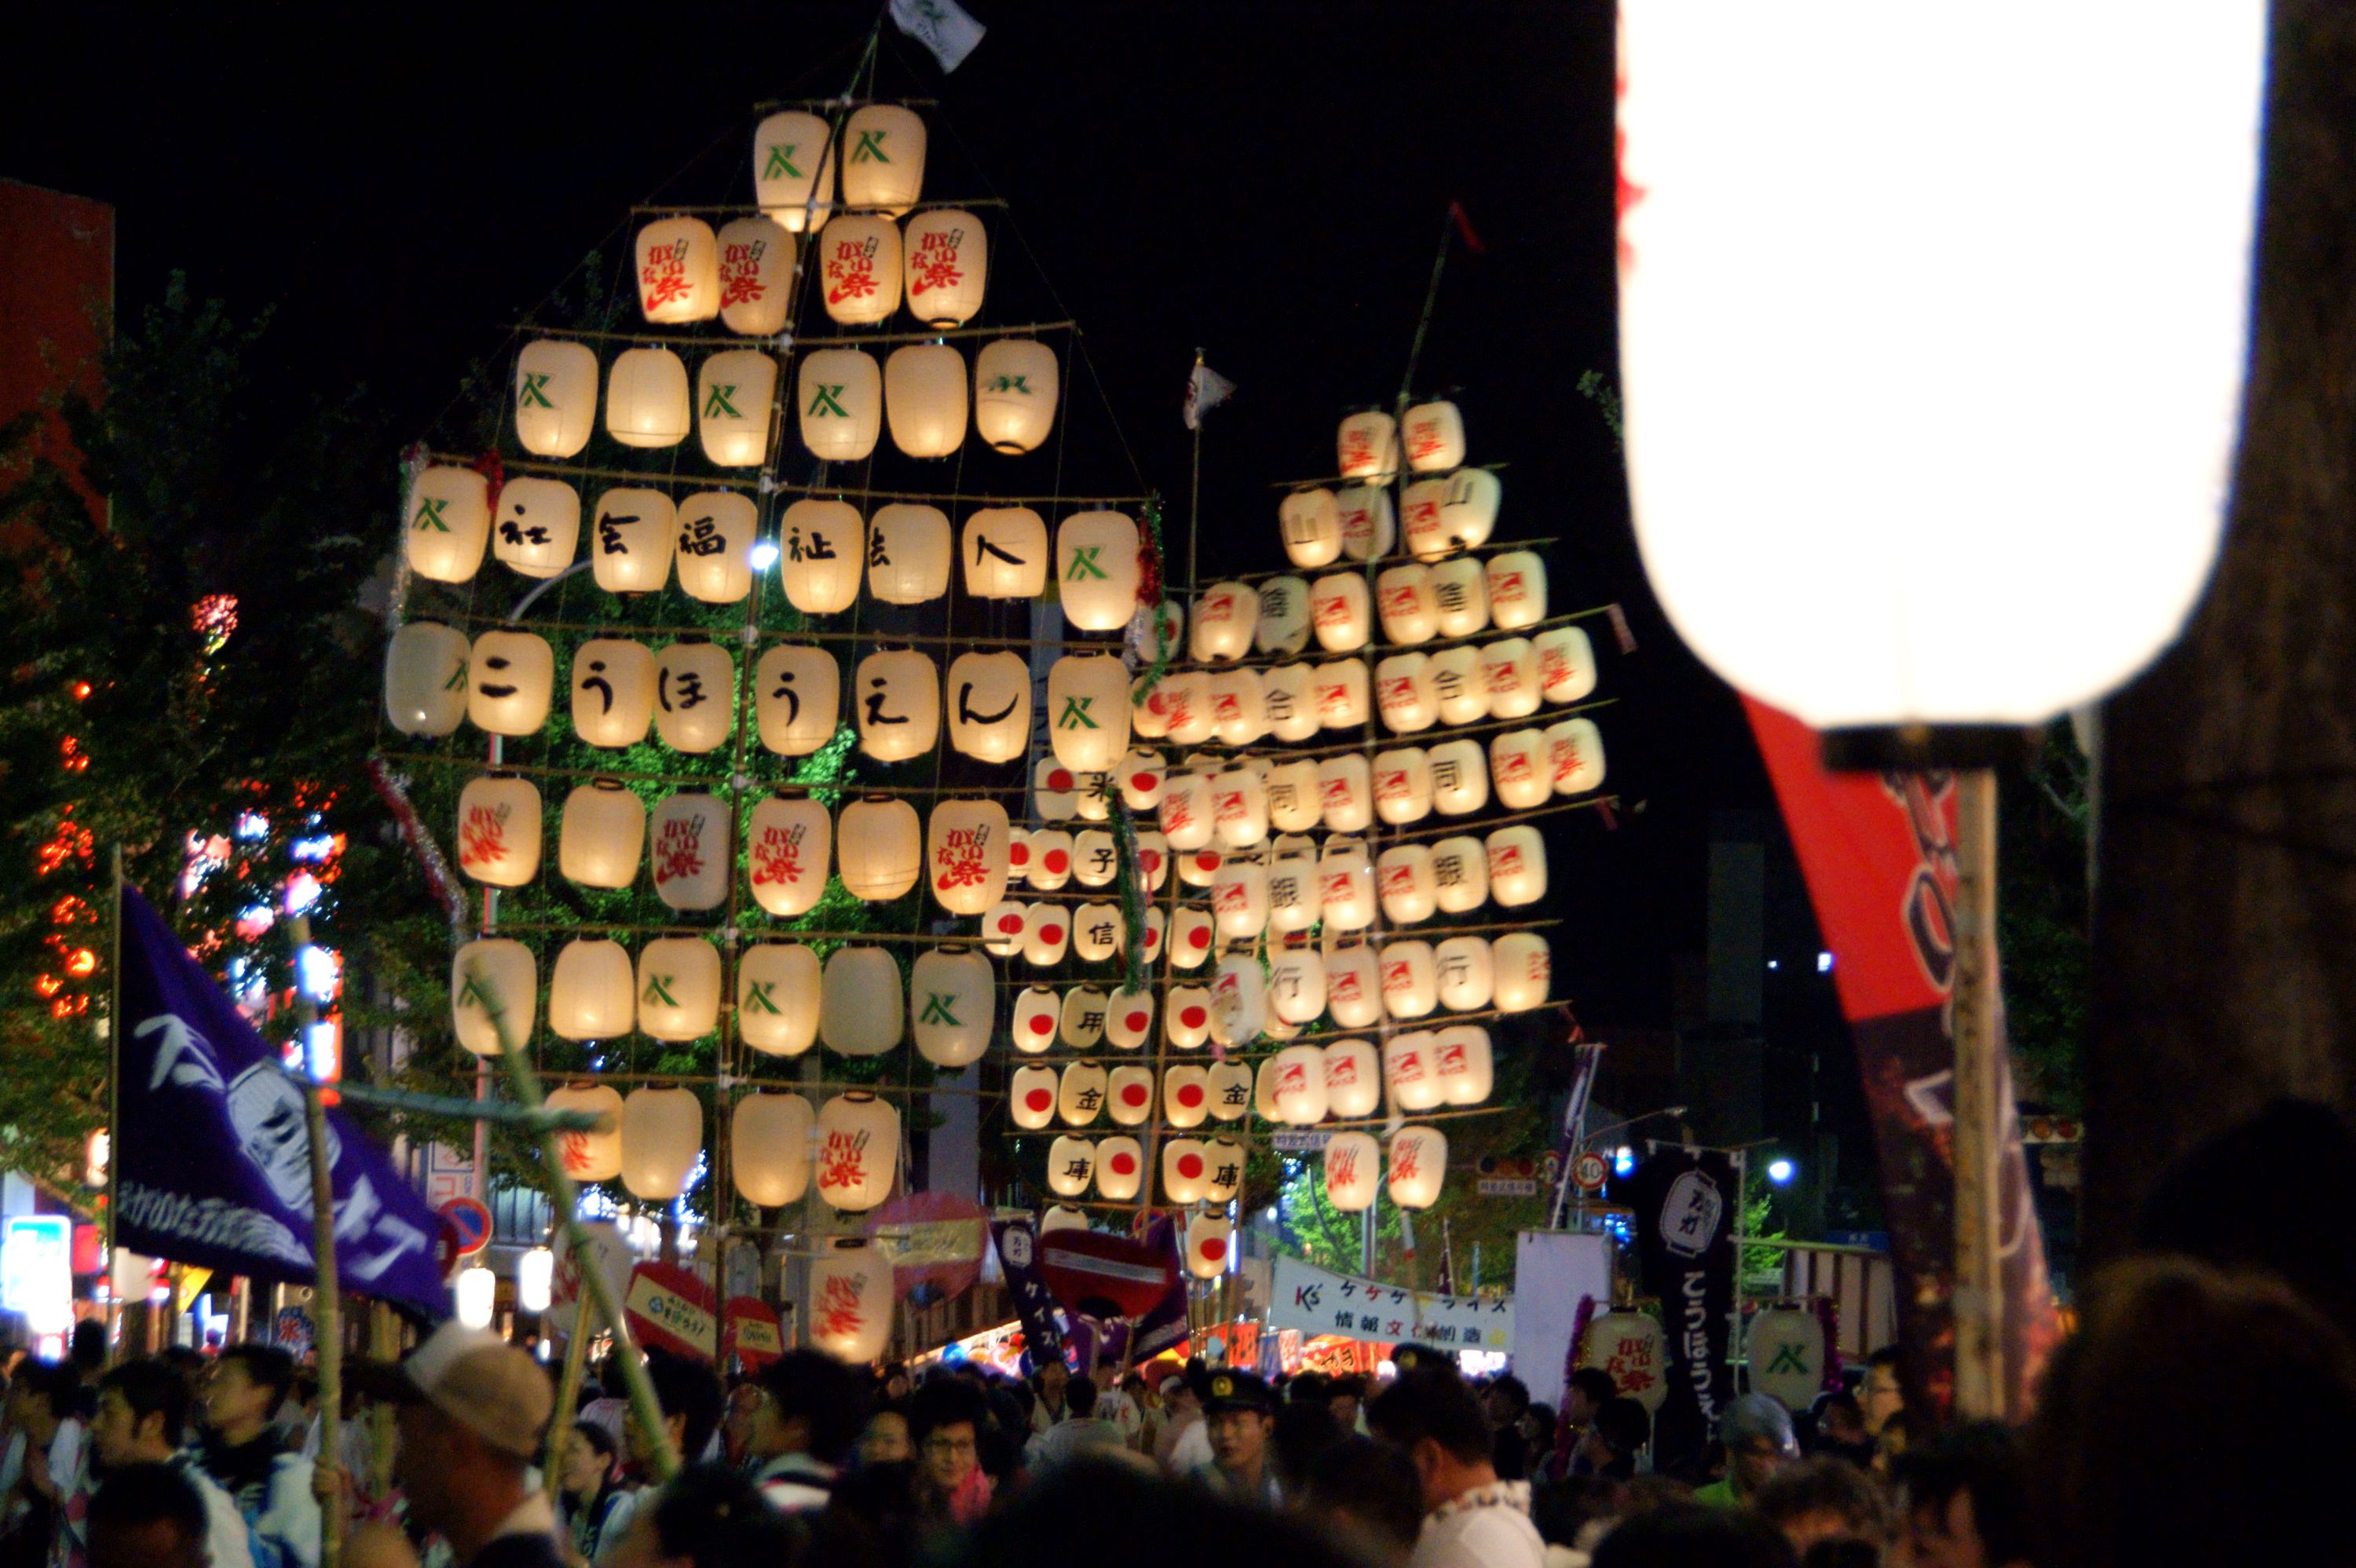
[(213, 1157)]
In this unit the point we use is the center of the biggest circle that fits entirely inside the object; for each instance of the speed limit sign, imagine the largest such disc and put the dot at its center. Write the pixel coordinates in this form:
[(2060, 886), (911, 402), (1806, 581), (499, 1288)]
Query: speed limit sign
[(1589, 1170)]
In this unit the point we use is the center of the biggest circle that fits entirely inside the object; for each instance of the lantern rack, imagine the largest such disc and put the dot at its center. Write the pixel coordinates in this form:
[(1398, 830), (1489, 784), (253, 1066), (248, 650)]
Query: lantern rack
[(1396, 558), (1396, 738), (754, 209), (1373, 649), (1201, 1056), (723, 635), (746, 1081), (771, 105), (1368, 482), (760, 487), (715, 786), (788, 342)]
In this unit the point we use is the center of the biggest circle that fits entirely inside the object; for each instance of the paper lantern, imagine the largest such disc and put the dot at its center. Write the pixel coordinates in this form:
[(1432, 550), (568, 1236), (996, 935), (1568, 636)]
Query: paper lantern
[(1422, 521), (1523, 968), (1264, 1090), (896, 696), (1097, 570), (1087, 707), (1402, 779), (858, 1150), (1185, 1168), (1517, 869), (1238, 711), (924, 399), (593, 995), (1080, 1093), (1433, 435), (952, 1005), (1186, 1020), (1081, 1022), (1520, 769), (1509, 674), (1353, 1165), (1239, 900), (1405, 602), (1296, 983), (796, 698), (1517, 590), (778, 988), (1418, 1166), (488, 974), (1004, 550), (1191, 935), (1050, 859), (1405, 884), (1226, 1175), (1184, 813), (1411, 979), (1566, 663), (883, 158), (1238, 1000), (1279, 619), (555, 397), (1129, 1095), (1369, 527), (1071, 1162), (1140, 778), (1354, 1079), (788, 850), (679, 988), (538, 526), (1290, 705), (1120, 1169), (1346, 786), (1229, 1086), (498, 830), (1127, 1019), (734, 394), (769, 1148), (1047, 936), (1459, 694), (944, 256), (1149, 717), (1366, 447), (695, 695), (1298, 1086), (1188, 715), (1185, 1095), (1062, 1217), (1467, 980), (1459, 875), (1470, 512), (838, 396), (858, 269), (1353, 993), (1785, 1349), (1153, 855), (1097, 932), (1575, 756), (1632, 1348), (662, 1135), (1238, 808), (1295, 801), (966, 854), (879, 848), (1209, 1243), (1340, 690), (636, 532), (425, 678), (1001, 930), (908, 554), (1226, 615), (1460, 777), (715, 541), (1341, 611), (1309, 522), (1462, 1061), (989, 706), (851, 1300), (612, 691), (1408, 1071), (793, 169), (756, 275), (603, 833), (646, 400), (594, 1154), (1294, 896), (1016, 385), (474, 1294), (1197, 869), (825, 545), (510, 678), (1036, 1011), (689, 846), (677, 270), (1054, 793), (1460, 592)]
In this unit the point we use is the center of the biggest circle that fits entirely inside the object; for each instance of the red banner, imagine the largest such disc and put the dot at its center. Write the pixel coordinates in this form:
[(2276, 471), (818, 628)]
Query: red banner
[(668, 1305), (1878, 854), (751, 1330)]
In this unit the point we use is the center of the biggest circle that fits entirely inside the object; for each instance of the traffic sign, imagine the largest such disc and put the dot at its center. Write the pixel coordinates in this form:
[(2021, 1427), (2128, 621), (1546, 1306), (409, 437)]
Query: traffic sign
[(1590, 1170), (471, 1221)]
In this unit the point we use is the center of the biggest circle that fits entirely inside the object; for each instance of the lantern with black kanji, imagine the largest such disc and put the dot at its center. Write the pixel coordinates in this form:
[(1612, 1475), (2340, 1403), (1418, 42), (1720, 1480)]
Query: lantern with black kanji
[(612, 691), (1071, 1162), (1004, 553), (823, 547), (1467, 979), (635, 533), (537, 526), (1470, 512), (715, 541), (796, 698), (988, 699), (896, 702)]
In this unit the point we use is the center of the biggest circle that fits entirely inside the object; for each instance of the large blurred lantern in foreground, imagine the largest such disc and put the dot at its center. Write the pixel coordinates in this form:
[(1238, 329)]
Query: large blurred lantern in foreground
[(594, 1154), (851, 1300)]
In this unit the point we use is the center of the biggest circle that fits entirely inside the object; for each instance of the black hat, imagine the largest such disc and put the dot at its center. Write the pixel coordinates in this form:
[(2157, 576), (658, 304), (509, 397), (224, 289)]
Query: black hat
[(1226, 1389), (1413, 1357)]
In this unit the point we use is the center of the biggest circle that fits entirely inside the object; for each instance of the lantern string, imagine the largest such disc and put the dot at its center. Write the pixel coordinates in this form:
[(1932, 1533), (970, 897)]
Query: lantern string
[(721, 341), (754, 209)]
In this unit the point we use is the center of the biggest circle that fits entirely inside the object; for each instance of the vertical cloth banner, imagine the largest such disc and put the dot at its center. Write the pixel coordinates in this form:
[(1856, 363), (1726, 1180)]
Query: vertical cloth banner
[(214, 1159), (1688, 1203), (1878, 852), (1045, 1328)]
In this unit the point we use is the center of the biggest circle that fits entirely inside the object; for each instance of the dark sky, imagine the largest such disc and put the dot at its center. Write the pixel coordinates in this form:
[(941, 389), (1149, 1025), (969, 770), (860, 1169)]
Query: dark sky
[(1265, 181)]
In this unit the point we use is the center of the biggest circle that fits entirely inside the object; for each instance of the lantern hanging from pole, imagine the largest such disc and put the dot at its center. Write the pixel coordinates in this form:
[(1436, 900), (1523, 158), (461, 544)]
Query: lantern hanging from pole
[(662, 1135), (852, 1300), (715, 541), (734, 392), (924, 399), (602, 835), (1418, 1166), (1004, 552), (1016, 383), (1466, 979), (1087, 707), (1185, 813), (1081, 1022), (1209, 1239), (1347, 786), (1185, 1095), (1281, 626), (1141, 775), (858, 269), (1459, 590), (1340, 612), (1517, 590), (1354, 1079), (1238, 710), (425, 678), (1366, 447), (646, 400), (1238, 1000), (788, 848), (679, 271), (1340, 690), (1433, 435), (1402, 785), (1264, 1090), (1036, 1011), (695, 696), (493, 973), (1519, 768), (858, 1150), (1460, 778), (1566, 663), (1226, 615), (1229, 1088), (1127, 1019), (538, 526), (1470, 511), (636, 530), (1461, 1062), (1071, 1162), (498, 830), (908, 554), (1459, 688), (592, 1154), (1097, 570), (989, 706), (1509, 674), (1353, 991), (1047, 936), (1408, 606), (966, 854), (1189, 717), (1186, 1017), (1153, 856), (1238, 808), (1309, 522), (1522, 967), (1291, 705), (449, 523), (839, 398), (1149, 716), (555, 397), (1785, 1350), (883, 158), (1199, 868), (679, 988), (778, 991), (1575, 756), (1061, 1216), (879, 848), (769, 1148), (1001, 930), (1633, 1343), (690, 848), (612, 691), (1120, 1169), (1294, 898), (1420, 518), (824, 550), (952, 1005), (1191, 935), (898, 704), (796, 698), (793, 169), (1296, 983), (1031, 1097), (1239, 900), (1080, 1093), (1054, 790), (1406, 884), (1097, 932), (1185, 1168), (1227, 1171), (593, 993), (757, 274), (1369, 526), (944, 255), (1517, 867), (1411, 979), (1353, 1164), (1298, 1087), (1050, 851), (1295, 801), (1460, 874)]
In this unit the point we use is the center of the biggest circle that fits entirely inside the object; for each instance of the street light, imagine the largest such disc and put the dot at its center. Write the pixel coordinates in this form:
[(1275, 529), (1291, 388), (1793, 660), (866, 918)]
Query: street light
[(1779, 1171)]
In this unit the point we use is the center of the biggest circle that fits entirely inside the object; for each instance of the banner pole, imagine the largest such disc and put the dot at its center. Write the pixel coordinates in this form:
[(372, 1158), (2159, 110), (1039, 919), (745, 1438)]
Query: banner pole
[(113, 1092), (327, 1292), (1979, 1117), (568, 1395)]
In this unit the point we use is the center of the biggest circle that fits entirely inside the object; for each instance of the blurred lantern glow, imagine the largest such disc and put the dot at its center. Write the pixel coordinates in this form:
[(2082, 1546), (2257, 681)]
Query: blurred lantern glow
[(477, 1294), (425, 678), (1097, 570), (1523, 968), (535, 1276), (593, 993), (826, 550), (1354, 995), (1433, 434), (1470, 511), (1225, 616), (1354, 1168), (1467, 980), (1309, 522), (1366, 447), (1418, 1166), (1341, 611), (595, 1155), (1369, 526), (852, 1300), (662, 1135)]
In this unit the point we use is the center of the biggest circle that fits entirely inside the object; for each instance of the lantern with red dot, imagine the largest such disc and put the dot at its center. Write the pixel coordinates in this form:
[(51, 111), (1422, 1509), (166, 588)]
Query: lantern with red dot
[(1403, 880), (1238, 999), (1462, 1061), (1046, 934), (1140, 777), (1288, 694), (1354, 1079), (1408, 1071), (1190, 936), (1055, 791), (1082, 1021), (1031, 1097), (1296, 983), (1099, 933), (1402, 785), (1238, 707), (1522, 967), (1120, 1169), (1345, 885), (1210, 1238), (1225, 615), (1185, 1170), (1340, 690), (1566, 663), (1092, 796), (1185, 1095), (1051, 858), (1002, 929), (1231, 1091), (1411, 979), (1293, 895), (1467, 979), (1155, 924), (1575, 756), (1298, 1085), (1518, 767), (1129, 1095), (1129, 1019), (1341, 611), (1354, 1165), (1310, 523), (1149, 711), (1404, 695), (1517, 867), (1200, 867), (1353, 989), (1418, 1166), (1080, 1094), (1517, 590), (1421, 520), (1460, 587), (1070, 1163), (1186, 1021), (1459, 873), (1037, 1010)]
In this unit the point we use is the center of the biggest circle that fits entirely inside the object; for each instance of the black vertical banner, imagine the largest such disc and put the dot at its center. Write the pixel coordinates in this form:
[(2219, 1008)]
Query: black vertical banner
[(1687, 1205)]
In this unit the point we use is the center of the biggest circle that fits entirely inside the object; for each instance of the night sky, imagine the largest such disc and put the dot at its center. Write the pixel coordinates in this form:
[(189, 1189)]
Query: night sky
[(1265, 182)]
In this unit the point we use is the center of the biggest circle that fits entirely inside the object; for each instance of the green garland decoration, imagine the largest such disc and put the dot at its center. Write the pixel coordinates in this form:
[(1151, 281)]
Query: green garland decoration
[(1129, 880), (1150, 592)]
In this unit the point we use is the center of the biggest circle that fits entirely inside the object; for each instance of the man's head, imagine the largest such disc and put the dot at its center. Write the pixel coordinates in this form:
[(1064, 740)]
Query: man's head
[(1239, 1414), (142, 1407), (247, 1385), (1822, 1499), (1683, 1532), (1884, 1394), (1590, 1389), (744, 1401), (1506, 1398), (42, 1395), (945, 1423), (1432, 1415), (1107, 1375), (588, 1460), (1051, 1377), (147, 1516), (1082, 1398), (815, 1406), (471, 1410), (1345, 1396), (1757, 1432), (884, 1439), (1620, 1427), (1840, 1419), (707, 1516), (689, 1396), (1179, 1394), (1368, 1491), (1963, 1498)]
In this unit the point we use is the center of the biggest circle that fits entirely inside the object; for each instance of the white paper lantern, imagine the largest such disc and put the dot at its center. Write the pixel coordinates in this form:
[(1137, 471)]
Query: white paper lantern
[(1339, 688), (1149, 719), (510, 678), (1520, 769), (1470, 512), (1402, 779), (1191, 935), (1575, 756), (1080, 1093), (1238, 808), (602, 835), (1517, 590), (838, 396), (612, 691), (690, 848), (1294, 896), (1341, 611), (1462, 1061), (498, 830), (1633, 1343), (1296, 983), (1460, 874), (989, 706), (1185, 1170), (1566, 663), (796, 698), (1054, 792), (1467, 980), (1047, 936), (1460, 695), (1290, 705), (879, 848), (493, 973), (715, 538), (965, 855), (695, 696), (1153, 855), (1517, 869), (555, 397), (1062, 1217), (1238, 710), (1226, 615), (1071, 1163), (1309, 522), (1129, 1095), (646, 400), (778, 987), (908, 554), (1354, 996), (1129, 1019), (679, 988), (735, 392), (1405, 602), (662, 1135), (1422, 521), (1353, 1167), (769, 1148), (1004, 550), (1209, 1242), (1366, 447), (858, 269), (1036, 1011), (1186, 1020), (1346, 786), (944, 258), (1189, 716), (788, 850), (1408, 1072), (1231, 1091), (1354, 1079), (1199, 868), (1460, 778), (1087, 707), (852, 1300), (1418, 1166), (592, 1154), (1296, 802), (1098, 934), (1185, 1095), (1264, 1090), (824, 550), (1239, 900), (1369, 526), (1120, 1169), (897, 697), (883, 158), (1185, 813), (952, 1005), (593, 995), (924, 399), (1410, 980), (1404, 882), (756, 275), (677, 270), (1050, 859), (1459, 590), (1238, 1000), (425, 678), (538, 526), (1226, 1175), (1298, 1086), (1016, 384), (1509, 674), (1097, 570), (1081, 1022), (1524, 968), (636, 532), (793, 169), (1433, 435), (1139, 777), (858, 1151)]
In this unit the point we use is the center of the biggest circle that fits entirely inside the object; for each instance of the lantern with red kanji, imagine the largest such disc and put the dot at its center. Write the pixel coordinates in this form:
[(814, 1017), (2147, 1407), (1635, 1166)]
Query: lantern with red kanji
[(944, 256), (677, 270), (1354, 1171), (965, 855), (787, 849), (756, 273), (537, 526), (594, 1154), (851, 1299), (1366, 447), (858, 258), (857, 1149), (498, 830)]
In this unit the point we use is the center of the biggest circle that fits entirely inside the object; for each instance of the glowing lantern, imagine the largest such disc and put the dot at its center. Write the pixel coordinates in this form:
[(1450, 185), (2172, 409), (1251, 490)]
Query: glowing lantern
[(474, 1294), (1466, 979), (1404, 601), (1280, 618), (679, 988), (1120, 1169), (556, 397), (1354, 996), (1082, 1020), (1566, 663), (793, 169), (1402, 785), (879, 848), (1354, 1079), (1062, 1217), (1239, 900), (538, 526), (952, 1005), (1298, 1087), (1294, 898), (1405, 882), (1291, 706), (604, 831), (1419, 1164), (1369, 527), (1295, 801), (1461, 1061), (1141, 778), (734, 392), (769, 1148), (883, 158), (1296, 983), (1001, 930), (1309, 522), (1517, 869), (1264, 1090), (1460, 778), (1238, 808), (1127, 1019), (1238, 1000), (1153, 856), (1016, 383), (1185, 1166), (715, 538), (1786, 1354), (1046, 934), (756, 270), (1051, 850), (1188, 715), (1470, 512), (1129, 1095), (1035, 1012), (1199, 868), (1460, 874), (679, 271), (838, 396), (851, 1299), (796, 698), (1459, 694), (1408, 1071), (824, 546), (1633, 1343), (498, 830), (967, 851), (595, 1155), (1209, 1241), (1185, 1095), (1523, 968), (989, 706), (695, 695), (592, 994), (662, 1135), (1088, 704), (1460, 589), (1509, 674), (858, 269), (1346, 786), (638, 530), (1004, 550), (897, 704), (1187, 1021), (1520, 768), (1190, 938), (1352, 1164), (612, 691), (425, 678), (1517, 590), (1070, 1163), (1340, 612), (1427, 532), (1433, 435), (1080, 1093), (1226, 615), (1097, 570), (1366, 447), (1227, 1171), (1238, 711), (646, 401), (777, 990), (945, 258), (908, 554), (858, 1151), (487, 973), (449, 522), (1054, 790), (786, 853), (1231, 1091), (1147, 718), (1575, 756), (924, 399), (1184, 813), (1339, 689), (690, 852), (1410, 980), (1097, 932)]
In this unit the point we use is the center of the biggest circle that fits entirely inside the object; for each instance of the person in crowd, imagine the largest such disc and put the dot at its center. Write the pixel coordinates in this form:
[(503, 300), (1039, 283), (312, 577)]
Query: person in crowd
[(45, 1396), (1006, 1426), (1539, 1425), (1884, 1394), (1238, 1415), (945, 1423), (805, 1429), (884, 1439), (270, 1486), (1184, 1444), (1962, 1499), (1368, 1494), (1050, 1388), (610, 1407), (1572, 1515), (1093, 1512), (894, 1386), (1082, 1431), (1588, 1389), (1472, 1519), (744, 1402), (148, 1516), (1889, 1445), (1304, 1429), (143, 1415), (707, 1516), (471, 1409), (1149, 1413), (1840, 1430), (1114, 1406), (1345, 1396), (588, 1484), (86, 1353), (1756, 1431), (1823, 1499), (1615, 1435), (1505, 1401), (1689, 1535)]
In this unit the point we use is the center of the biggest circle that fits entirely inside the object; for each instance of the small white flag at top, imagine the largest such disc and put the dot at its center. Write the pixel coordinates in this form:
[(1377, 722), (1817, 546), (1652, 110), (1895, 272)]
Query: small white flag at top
[(943, 27), (1205, 390)]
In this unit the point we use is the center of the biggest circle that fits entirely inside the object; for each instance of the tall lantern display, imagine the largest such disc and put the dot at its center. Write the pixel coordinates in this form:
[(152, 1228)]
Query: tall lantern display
[(662, 1135), (852, 1300), (945, 257), (858, 1151), (769, 1148), (793, 169), (1016, 385)]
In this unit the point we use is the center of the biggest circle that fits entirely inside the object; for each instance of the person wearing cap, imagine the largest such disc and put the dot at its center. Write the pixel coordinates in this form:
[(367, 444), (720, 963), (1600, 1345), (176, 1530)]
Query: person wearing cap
[(1757, 1432), (1471, 1519), (142, 1407), (1239, 1414), (472, 1408)]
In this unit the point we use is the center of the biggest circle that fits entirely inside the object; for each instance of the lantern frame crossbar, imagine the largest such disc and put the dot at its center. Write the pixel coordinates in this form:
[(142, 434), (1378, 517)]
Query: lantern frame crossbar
[(786, 342), (763, 486), (1372, 649), (1394, 558), (505, 1113), (1402, 476), (727, 1081), (1398, 738), (723, 635), (771, 105), (754, 209)]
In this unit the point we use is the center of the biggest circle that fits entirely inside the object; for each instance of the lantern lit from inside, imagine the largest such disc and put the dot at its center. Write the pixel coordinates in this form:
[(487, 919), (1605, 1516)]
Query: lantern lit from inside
[(793, 169), (677, 270), (1120, 1169), (1461, 1062), (1520, 768), (1210, 1241), (1566, 663), (952, 1005), (908, 554), (1366, 447), (1522, 967), (839, 398), (1369, 526), (1080, 1093), (778, 991), (1420, 517), (858, 261), (1225, 614), (715, 537), (1517, 867), (1575, 756), (695, 696), (1467, 977), (1354, 1168), (1353, 986), (1509, 672), (1785, 1347), (555, 397), (1460, 594), (1231, 1090), (1071, 1163), (944, 258), (1418, 1161), (897, 697), (1185, 1170), (1460, 781), (824, 551), (1238, 1000), (965, 855), (1088, 710), (1016, 385), (788, 847), (425, 678), (1299, 1085), (1633, 1348), (851, 1300), (1470, 511), (1341, 611), (756, 273), (1402, 785), (880, 848), (1003, 550), (1310, 523), (769, 1148), (662, 1135), (797, 698), (1031, 1097), (924, 399), (859, 1009), (594, 1154), (1433, 435), (1339, 689), (498, 830), (1185, 1095), (1186, 1017), (1354, 1079), (988, 698), (449, 523), (1411, 979), (1406, 884), (734, 392), (593, 995), (646, 401), (883, 158), (858, 1150), (476, 1297), (490, 976), (1097, 570), (633, 537), (612, 691), (679, 988), (602, 835), (1129, 1095), (537, 526), (1062, 1217)]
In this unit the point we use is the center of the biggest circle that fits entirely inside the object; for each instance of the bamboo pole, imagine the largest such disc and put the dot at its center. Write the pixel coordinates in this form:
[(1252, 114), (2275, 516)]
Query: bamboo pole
[(327, 1293)]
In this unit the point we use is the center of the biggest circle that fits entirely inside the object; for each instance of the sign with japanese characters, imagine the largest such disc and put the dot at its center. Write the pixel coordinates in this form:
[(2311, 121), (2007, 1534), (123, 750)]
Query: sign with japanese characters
[(1317, 1301)]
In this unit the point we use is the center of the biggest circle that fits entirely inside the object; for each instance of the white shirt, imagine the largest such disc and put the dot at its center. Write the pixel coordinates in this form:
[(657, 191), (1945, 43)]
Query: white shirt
[(1067, 1440), (1192, 1450), (1488, 1527), (226, 1541), (1117, 1407)]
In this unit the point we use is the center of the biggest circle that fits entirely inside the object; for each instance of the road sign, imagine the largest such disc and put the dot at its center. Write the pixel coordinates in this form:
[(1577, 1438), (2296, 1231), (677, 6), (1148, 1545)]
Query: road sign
[(1590, 1170), (1509, 1187), (472, 1222)]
